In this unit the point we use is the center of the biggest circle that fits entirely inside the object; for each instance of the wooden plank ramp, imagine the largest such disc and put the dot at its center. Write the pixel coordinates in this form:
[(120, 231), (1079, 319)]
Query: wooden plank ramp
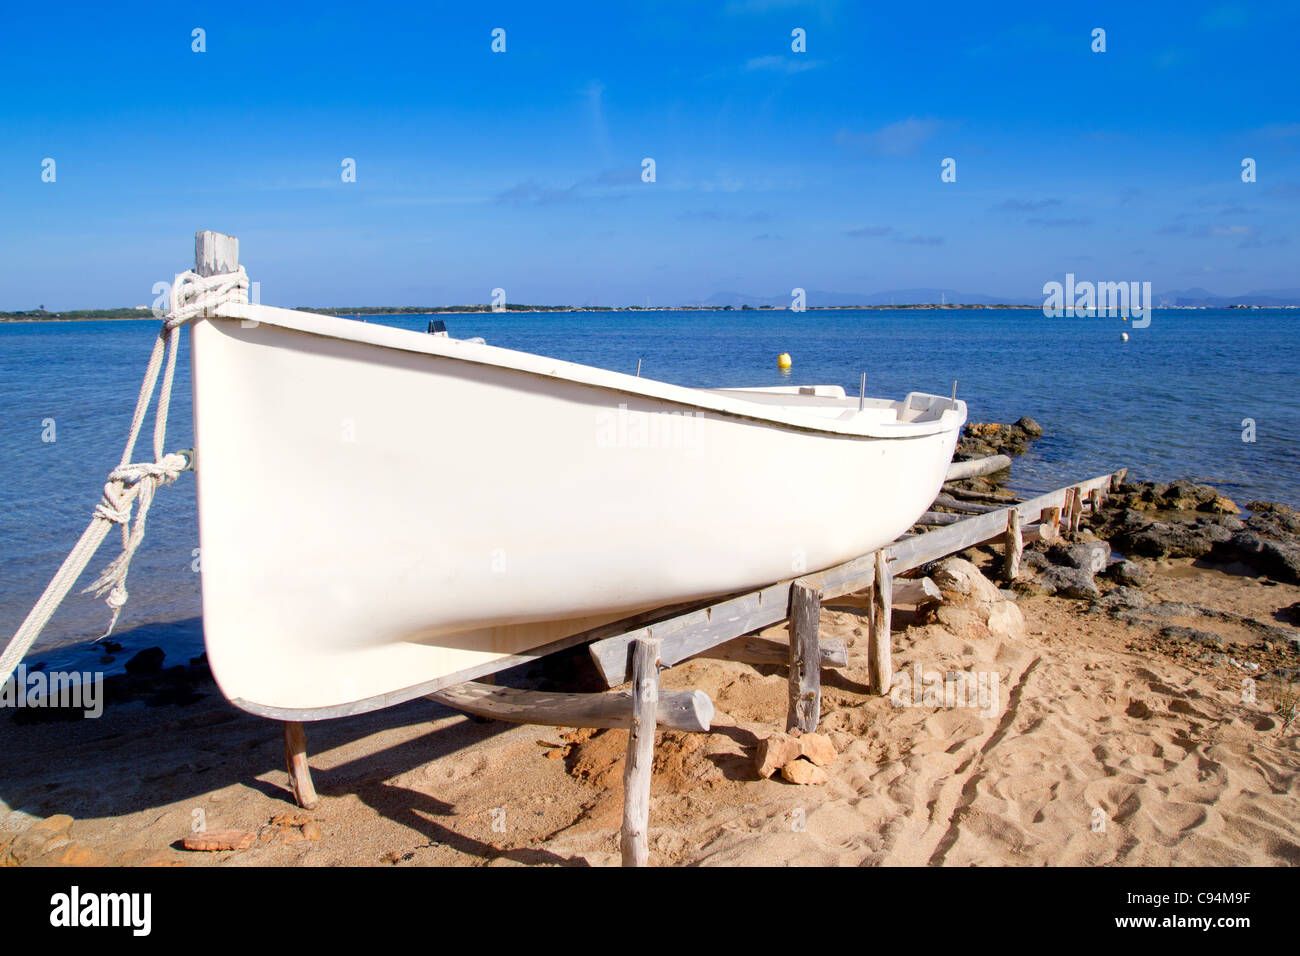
[(703, 628)]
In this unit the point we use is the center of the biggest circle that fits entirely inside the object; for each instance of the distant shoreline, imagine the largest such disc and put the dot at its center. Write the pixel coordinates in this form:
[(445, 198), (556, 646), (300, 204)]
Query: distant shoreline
[(118, 315)]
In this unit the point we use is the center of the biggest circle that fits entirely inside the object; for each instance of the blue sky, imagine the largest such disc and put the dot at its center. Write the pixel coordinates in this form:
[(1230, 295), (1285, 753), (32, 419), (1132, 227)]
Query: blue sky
[(522, 169)]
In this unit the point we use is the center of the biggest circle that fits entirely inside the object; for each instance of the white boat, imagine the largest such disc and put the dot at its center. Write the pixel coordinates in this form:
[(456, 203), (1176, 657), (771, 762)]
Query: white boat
[(384, 512)]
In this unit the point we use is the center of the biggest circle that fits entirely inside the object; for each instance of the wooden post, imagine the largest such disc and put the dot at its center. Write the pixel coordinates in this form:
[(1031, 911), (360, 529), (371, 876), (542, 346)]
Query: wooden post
[(879, 663), (640, 751), (1015, 546), (1098, 499), (1076, 512), (1049, 524), (1117, 479), (805, 658), (215, 253), (295, 758)]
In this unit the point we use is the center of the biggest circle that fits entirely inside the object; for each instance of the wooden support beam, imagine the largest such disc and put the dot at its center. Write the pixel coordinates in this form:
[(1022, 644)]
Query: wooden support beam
[(1015, 546), (924, 548), (762, 650), (977, 467), (295, 759), (1118, 479), (703, 627), (640, 751), (805, 657), (215, 253), (880, 666), (696, 631), (1076, 513), (687, 710)]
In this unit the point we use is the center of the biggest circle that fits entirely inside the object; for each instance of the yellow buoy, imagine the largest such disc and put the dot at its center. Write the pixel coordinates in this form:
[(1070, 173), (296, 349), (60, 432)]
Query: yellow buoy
[(783, 360)]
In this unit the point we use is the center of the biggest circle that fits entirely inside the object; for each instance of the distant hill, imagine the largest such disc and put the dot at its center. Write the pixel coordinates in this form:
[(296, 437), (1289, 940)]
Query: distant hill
[(1203, 298)]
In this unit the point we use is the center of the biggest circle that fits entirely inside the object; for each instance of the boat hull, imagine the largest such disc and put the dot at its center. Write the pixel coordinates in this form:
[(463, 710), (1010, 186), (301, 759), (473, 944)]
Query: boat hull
[(375, 522)]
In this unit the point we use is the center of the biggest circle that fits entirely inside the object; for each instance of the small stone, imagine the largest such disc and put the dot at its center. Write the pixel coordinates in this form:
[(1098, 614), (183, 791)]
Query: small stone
[(216, 840), (818, 749), (1030, 427), (804, 773), (290, 818), (1220, 506), (1006, 620), (311, 831), (775, 752), (1070, 583), (1129, 573)]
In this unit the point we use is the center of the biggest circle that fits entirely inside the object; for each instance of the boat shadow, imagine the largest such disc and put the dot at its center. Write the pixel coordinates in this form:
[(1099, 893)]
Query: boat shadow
[(153, 751)]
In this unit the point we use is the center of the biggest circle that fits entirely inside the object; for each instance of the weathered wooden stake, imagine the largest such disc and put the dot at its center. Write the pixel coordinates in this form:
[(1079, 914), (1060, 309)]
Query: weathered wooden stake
[(215, 253), (295, 758), (879, 663), (805, 658), (1076, 512), (1117, 479), (640, 751), (1015, 546)]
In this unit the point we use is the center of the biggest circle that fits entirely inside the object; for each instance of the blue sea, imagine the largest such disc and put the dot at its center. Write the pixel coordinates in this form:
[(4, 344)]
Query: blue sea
[(1169, 403)]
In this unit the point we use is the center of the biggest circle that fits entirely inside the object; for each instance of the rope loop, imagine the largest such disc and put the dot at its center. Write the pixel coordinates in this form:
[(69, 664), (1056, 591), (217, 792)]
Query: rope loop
[(192, 296)]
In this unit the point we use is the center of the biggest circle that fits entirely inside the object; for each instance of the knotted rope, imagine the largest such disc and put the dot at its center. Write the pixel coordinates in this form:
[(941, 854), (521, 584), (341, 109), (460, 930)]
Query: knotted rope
[(192, 296)]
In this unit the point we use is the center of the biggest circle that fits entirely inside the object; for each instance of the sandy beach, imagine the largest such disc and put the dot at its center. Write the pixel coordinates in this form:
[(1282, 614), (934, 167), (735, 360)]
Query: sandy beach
[(1115, 739)]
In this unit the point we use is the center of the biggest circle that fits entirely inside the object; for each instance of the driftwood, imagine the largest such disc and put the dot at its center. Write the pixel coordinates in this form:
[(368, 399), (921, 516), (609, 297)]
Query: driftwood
[(906, 591), (762, 650), (976, 467), (991, 497), (689, 710), (971, 507), (640, 752), (939, 519)]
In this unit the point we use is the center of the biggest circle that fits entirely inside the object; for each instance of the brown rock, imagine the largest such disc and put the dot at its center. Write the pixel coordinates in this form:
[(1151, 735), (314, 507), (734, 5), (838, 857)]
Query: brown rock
[(804, 773), (775, 752), (962, 582), (52, 826), (215, 840), (1221, 506), (78, 854), (818, 749)]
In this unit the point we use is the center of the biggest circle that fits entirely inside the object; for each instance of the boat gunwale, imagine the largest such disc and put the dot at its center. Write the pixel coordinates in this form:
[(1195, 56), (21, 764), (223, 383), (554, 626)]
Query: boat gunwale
[(406, 340)]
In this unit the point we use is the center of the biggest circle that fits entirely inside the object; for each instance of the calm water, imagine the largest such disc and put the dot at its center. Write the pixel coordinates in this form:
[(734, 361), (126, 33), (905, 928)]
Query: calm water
[(1167, 404)]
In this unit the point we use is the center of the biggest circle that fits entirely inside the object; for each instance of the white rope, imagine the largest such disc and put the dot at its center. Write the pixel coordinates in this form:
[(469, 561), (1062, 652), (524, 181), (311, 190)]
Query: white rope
[(129, 483)]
